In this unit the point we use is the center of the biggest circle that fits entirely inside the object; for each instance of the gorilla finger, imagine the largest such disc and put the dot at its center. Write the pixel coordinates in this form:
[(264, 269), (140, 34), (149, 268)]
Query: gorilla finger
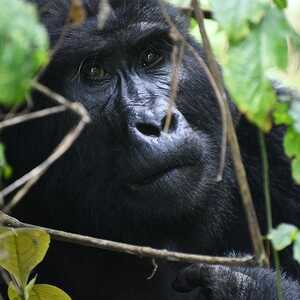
[(192, 277)]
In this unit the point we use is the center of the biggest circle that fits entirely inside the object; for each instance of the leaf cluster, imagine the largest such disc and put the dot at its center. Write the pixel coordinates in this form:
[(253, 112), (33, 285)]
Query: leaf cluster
[(285, 235), (23, 49), (21, 251)]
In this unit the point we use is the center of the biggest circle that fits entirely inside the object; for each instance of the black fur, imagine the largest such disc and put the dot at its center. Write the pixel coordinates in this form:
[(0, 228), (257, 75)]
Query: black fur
[(101, 186)]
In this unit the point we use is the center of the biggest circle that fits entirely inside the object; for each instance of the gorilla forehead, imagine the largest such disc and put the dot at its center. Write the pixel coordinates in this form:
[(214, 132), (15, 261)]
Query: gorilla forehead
[(135, 16)]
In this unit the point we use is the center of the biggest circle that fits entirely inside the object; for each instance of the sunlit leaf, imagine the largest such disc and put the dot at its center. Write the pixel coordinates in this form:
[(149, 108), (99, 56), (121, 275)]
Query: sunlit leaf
[(235, 16), (281, 3), (5, 168), (292, 149), (283, 236), (292, 143), (281, 115), (23, 49), (296, 248), (25, 248), (40, 292), (296, 169), (250, 61)]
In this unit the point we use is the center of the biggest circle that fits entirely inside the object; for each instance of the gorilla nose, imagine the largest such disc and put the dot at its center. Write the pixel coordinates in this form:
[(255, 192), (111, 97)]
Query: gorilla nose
[(154, 128)]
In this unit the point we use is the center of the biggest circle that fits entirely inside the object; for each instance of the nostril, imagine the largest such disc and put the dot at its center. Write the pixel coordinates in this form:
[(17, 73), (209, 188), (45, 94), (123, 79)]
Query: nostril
[(171, 123), (148, 129)]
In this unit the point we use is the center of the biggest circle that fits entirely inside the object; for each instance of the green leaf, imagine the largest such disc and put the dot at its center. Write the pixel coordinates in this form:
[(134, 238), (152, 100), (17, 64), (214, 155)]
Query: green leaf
[(250, 61), (25, 249), (40, 292), (293, 14), (296, 169), (217, 37), (291, 143), (281, 3), (235, 16), (47, 292), (12, 293), (29, 286), (5, 168), (23, 49), (250, 90), (296, 248), (283, 236), (281, 115)]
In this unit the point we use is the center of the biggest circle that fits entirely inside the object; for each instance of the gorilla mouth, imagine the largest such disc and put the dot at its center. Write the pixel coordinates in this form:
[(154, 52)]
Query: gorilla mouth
[(155, 175)]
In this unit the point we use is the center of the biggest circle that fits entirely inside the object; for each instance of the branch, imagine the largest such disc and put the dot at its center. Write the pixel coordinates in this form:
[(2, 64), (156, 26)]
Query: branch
[(140, 251), (176, 34), (241, 176), (177, 55), (189, 11), (76, 107), (31, 116), (35, 174)]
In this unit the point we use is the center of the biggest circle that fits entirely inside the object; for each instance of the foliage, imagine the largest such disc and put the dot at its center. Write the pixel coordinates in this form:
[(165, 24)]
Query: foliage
[(285, 235), (281, 3), (236, 16), (254, 53), (5, 168), (23, 49), (22, 250), (259, 48)]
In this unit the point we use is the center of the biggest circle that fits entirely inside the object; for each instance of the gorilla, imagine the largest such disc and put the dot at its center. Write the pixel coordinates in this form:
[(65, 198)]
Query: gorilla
[(126, 179)]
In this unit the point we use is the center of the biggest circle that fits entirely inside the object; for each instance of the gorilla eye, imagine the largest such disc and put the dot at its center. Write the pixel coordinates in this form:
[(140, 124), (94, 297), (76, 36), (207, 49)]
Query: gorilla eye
[(93, 71), (151, 58)]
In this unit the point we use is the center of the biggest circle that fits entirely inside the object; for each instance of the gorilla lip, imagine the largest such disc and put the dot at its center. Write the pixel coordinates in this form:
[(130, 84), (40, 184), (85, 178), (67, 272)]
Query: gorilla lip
[(154, 176)]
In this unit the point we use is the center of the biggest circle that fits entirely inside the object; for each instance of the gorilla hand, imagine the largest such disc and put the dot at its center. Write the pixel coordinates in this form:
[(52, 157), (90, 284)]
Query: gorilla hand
[(224, 283)]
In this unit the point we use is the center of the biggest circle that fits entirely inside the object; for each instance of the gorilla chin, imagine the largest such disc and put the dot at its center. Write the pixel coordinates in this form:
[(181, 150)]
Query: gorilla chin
[(167, 183), (166, 173)]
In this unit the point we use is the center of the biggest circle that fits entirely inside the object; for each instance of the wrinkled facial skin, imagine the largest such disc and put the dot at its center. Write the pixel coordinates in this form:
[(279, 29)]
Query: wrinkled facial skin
[(125, 171)]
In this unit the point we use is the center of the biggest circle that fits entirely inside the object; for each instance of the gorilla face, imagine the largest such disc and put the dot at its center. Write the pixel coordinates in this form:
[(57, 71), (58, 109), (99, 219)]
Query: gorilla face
[(125, 167)]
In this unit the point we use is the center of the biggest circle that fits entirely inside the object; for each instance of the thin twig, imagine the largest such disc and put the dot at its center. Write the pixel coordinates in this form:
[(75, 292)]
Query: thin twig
[(253, 225), (34, 175), (214, 68), (178, 36), (189, 11), (176, 61), (177, 55), (154, 271), (87, 241), (31, 116), (38, 171), (219, 91), (74, 106), (266, 179)]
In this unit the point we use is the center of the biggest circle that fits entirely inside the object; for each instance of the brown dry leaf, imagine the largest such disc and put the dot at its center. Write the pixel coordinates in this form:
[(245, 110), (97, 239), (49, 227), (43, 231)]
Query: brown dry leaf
[(77, 13)]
